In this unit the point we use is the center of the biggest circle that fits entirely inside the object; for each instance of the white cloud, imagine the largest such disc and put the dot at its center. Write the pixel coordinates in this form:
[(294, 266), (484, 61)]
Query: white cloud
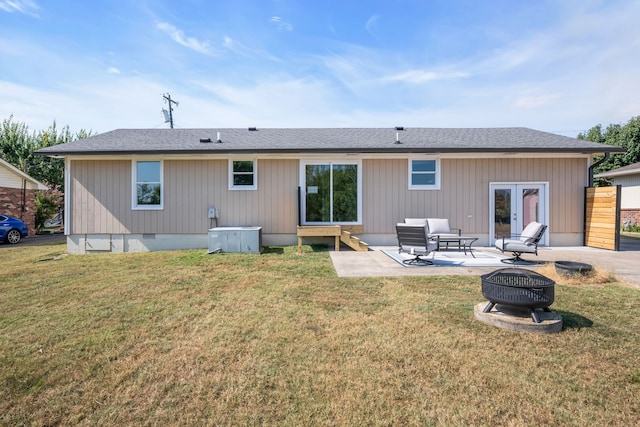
[(179, 37), (27, 7), (113, 70), (239, 48), (420, 76), (86, 104), (371, 24), (272, 102), (531, 101), (280, 24), (232, 45)]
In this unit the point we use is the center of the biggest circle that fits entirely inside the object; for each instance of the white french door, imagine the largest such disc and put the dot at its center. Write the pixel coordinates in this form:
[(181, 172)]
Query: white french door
[(514, 205)]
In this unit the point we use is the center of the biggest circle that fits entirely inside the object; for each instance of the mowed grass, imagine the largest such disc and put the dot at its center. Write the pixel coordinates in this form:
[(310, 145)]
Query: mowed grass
[(186, 338)]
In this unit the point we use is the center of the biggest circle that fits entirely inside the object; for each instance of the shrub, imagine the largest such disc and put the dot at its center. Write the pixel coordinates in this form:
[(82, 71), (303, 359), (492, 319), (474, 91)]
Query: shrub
[(48, 203)]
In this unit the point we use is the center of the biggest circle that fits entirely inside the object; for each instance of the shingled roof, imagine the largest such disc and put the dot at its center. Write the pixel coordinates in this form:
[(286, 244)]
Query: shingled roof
[(325, 140), (631, 169)]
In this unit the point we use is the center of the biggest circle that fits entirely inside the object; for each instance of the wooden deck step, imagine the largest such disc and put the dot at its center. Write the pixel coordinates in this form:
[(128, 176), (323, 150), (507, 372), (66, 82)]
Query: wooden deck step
[(331, 231), (353, 242)]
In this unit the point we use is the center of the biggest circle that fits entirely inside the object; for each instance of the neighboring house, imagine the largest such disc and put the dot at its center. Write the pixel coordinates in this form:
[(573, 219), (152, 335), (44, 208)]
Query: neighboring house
[(17, 194), (152, 189), (628, 177)]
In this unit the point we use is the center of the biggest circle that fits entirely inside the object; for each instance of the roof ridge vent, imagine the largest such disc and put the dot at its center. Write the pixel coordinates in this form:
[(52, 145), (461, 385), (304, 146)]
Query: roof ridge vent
[(253, 129), (399, 127)]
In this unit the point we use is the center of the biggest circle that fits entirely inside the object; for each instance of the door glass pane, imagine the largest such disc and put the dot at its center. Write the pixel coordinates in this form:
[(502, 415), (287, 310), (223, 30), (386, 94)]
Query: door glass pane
[(318, 193), (530, 205), (345, 193), (502, 212)]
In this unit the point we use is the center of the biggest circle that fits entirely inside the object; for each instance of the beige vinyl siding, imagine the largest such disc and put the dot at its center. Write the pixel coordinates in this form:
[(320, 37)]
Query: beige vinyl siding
[(9, 179), (627, 181), (101, 198), (630, 198), (464, 193), (100, 192)]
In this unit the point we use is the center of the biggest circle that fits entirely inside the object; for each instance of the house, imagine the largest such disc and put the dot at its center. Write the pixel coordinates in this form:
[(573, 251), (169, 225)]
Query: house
[(17, 194), (628, 177), (153, 189)]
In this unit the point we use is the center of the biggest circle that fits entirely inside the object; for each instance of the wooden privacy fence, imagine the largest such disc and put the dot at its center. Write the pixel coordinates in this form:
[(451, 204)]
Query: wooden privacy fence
[(602, 217)]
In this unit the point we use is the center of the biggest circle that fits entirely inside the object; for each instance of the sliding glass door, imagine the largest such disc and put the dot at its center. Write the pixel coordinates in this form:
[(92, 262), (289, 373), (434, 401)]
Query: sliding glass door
[(331, 193)]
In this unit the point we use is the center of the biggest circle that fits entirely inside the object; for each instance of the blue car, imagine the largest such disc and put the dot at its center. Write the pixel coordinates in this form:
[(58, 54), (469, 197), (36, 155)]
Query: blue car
[(12, 229)]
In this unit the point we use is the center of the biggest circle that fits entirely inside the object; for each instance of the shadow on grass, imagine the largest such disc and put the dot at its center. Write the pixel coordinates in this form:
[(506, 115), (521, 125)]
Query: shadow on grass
[(317, 247), (280, 250), (574, 320), (273, 250)]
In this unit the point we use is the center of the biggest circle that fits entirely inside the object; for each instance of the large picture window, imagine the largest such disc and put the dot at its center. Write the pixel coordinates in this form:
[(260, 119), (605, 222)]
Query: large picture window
[(147, 185), (424, 174), (243, 175)]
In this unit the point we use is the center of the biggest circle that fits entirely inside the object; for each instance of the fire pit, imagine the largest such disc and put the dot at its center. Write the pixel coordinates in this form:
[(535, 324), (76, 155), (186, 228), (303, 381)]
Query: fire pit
[(571, 268), (518, 287)]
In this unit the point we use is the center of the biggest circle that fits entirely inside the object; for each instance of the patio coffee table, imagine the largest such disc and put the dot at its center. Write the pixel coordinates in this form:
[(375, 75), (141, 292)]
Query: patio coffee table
[(463, 242)]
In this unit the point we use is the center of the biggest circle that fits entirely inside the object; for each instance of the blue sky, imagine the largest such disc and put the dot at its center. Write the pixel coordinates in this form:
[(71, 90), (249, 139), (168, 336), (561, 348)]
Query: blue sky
[(560, 66)]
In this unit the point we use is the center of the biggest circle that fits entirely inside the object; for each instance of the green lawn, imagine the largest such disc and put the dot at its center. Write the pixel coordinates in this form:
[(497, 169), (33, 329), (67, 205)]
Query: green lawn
[(186, 338)]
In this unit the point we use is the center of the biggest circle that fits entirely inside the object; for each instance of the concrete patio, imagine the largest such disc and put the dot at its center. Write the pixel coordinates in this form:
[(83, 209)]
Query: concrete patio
[(624, 264)]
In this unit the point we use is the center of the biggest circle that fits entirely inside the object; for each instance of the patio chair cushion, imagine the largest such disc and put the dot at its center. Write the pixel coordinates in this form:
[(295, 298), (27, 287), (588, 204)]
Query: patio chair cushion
[(514, 245), (438, 226), (530, 233), (415, 221)]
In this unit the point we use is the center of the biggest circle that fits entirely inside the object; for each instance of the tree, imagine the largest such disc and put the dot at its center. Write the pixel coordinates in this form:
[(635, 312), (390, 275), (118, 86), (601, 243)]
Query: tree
[(626, 136), (18, 147)]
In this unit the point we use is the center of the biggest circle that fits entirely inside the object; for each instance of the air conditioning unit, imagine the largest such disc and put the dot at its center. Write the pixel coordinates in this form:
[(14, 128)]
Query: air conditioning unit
[(235, 239)]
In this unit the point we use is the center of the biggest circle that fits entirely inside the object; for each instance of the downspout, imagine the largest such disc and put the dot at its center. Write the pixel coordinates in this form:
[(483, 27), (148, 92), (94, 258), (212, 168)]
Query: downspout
[(23, 209), (299, 206), (593, 166), (23, 202)]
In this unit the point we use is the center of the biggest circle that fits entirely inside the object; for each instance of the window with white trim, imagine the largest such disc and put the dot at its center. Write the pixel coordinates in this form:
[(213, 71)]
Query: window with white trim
[(243, 174), (424, 174), (332, 192), (147, 185)]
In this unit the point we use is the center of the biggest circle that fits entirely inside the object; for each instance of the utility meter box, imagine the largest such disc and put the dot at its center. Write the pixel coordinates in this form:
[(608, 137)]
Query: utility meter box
[(236, 239)]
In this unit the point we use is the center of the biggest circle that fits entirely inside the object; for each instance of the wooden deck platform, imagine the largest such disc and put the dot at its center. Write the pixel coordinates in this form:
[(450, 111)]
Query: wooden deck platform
[(338, 232)]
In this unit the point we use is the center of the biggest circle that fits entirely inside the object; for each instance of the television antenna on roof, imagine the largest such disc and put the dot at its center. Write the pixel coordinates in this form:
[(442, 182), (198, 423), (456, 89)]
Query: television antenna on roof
[(168, 115)]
